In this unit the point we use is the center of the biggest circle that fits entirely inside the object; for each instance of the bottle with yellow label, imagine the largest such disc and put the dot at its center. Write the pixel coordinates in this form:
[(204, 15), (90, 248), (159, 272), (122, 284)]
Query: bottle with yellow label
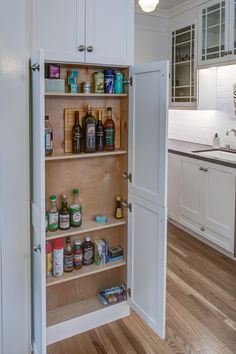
[(49, 263), (119, 212)]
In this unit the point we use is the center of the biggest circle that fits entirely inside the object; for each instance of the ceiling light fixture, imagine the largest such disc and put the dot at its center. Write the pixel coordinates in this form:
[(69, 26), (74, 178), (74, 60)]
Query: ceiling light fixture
[(148, 5)]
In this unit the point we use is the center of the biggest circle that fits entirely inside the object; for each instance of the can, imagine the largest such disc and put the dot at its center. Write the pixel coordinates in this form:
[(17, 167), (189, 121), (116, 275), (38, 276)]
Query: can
[(87, 87), (119, 83), (49, 261), (99, 82), (109, 81)]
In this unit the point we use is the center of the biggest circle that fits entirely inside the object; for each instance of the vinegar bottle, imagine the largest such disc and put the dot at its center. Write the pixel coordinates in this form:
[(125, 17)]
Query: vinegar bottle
[(109, 132)]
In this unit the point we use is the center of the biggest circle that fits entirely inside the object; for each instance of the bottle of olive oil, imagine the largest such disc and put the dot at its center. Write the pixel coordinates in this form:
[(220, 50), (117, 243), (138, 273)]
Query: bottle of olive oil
[(77, 135), (89, 130)]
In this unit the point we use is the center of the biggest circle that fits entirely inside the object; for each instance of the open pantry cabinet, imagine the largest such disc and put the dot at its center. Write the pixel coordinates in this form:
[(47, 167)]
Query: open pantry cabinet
[(69, 305)]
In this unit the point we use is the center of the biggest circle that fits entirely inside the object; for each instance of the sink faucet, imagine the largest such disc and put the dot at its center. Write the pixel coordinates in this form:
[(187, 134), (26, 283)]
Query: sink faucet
[(227, 146)]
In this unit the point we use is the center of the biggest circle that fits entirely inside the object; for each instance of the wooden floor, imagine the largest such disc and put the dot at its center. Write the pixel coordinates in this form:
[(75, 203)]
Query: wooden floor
[(201, 309)]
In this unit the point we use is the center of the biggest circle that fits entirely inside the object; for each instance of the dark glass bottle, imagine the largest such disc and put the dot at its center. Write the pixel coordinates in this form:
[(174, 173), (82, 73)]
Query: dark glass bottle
[(89, 130), (100, 134), (64, 215), (48, 135), (109, 132), (77, 135), (68, 256)]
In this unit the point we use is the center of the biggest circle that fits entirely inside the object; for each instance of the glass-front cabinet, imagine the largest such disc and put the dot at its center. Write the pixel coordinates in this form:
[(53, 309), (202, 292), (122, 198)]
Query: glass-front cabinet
[(183, 68), (217, 32)]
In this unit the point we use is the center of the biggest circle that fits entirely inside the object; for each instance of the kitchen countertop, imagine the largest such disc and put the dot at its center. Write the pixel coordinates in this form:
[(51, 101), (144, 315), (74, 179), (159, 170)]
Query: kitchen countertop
[(186, 148)]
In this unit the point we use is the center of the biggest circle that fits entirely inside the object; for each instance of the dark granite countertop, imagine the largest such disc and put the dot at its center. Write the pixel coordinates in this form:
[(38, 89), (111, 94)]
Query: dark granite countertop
[(186, 148)]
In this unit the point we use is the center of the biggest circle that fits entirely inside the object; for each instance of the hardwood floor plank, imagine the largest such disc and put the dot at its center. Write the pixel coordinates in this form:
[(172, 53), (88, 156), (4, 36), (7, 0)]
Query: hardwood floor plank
[(201, 309)]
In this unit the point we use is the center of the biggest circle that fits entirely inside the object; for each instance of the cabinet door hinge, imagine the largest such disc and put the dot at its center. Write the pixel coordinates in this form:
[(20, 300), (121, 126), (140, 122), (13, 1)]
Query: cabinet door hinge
[(129, 82), (127, 176), (127, 205), (129, 292), (35, 67)]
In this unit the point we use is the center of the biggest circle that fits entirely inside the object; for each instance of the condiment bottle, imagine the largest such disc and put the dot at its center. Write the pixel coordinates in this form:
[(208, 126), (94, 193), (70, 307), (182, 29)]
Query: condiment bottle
[(53, 214), (88, 251), (89, 129), (77, 135), (78, 255), (109, 131), (76, 210), (64, 216), (49, 261), (48, 133), (119, 212), (68, 256), (58, 257), (100, 134)]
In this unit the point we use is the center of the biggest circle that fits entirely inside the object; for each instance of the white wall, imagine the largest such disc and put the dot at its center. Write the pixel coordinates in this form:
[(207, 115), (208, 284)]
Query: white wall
[(14, 177)]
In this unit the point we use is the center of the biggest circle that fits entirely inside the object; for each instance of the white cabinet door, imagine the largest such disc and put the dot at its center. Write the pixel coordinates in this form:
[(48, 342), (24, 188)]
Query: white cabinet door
[(173, 190), (110, 32), (147, 193), (59, 28), (232, 30), (191, 193), (219, 205), (213, 32), (38, 207)]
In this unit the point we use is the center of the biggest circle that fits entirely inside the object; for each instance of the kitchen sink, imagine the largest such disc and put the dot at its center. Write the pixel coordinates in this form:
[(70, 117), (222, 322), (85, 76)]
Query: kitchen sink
[(218, 154)]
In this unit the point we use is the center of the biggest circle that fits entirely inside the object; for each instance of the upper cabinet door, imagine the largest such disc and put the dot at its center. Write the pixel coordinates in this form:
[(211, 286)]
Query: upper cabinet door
[(110, 32), (232, 31), (214, 30), (148, 131), (38, 207), (147, 193), (59, 28)]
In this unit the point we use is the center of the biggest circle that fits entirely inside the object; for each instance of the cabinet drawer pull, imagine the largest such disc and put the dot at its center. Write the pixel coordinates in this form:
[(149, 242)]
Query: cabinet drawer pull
[(81, 48), (202, 228), (201, 168), (89, 49)]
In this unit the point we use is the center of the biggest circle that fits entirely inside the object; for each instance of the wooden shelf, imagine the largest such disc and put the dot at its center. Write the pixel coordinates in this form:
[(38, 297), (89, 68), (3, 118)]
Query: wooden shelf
[(77, 309), (69, 156), (85, 271), (88, 226), (65, 94)]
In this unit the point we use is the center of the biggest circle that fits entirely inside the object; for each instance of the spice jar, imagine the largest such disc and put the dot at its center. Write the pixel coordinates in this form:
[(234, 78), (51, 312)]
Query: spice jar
[(87, 87), (49, 263), (109, 80)]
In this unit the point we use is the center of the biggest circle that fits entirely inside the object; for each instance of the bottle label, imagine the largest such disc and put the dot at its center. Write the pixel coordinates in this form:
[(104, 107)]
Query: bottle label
[(76, 216), (88, 256), (109, 136), (57, 263), (49, 264), (90, 139), (68, 262), (48, 140), (53, 221), (46, 222), (64, 221), (78, 258)]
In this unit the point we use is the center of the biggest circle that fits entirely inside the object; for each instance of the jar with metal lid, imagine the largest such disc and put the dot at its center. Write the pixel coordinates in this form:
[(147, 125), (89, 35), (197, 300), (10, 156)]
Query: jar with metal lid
[(119, 84), (109, 80)]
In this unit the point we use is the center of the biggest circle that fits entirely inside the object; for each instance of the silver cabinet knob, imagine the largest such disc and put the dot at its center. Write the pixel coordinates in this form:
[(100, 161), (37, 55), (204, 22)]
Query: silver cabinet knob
[(225, 53), (89, 49), (205, 169), (202, 228), (230, 52), (201, 168), (37, 248), (81, 48)]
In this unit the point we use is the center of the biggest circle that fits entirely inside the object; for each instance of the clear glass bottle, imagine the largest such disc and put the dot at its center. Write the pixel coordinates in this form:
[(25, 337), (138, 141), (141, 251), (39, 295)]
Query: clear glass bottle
[(53, 214), (48, 132), (64, 215), (68, 256), (89, 130), (109, 131), (76, 210)]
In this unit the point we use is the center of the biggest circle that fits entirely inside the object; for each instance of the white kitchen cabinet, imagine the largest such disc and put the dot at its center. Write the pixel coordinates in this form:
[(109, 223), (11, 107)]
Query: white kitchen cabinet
[(217, 32), (205, 199), (190, 193), (85, 31), (173, 187), (66, 306)]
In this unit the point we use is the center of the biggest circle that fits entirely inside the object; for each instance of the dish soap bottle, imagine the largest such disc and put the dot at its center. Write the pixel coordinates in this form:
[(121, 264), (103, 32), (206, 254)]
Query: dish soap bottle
[(216, 141)]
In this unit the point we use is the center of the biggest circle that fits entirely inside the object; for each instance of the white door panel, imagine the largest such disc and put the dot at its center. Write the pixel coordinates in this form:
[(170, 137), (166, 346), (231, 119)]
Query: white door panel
[(38, 207), (147, 262), (173, 190), (148, 131)]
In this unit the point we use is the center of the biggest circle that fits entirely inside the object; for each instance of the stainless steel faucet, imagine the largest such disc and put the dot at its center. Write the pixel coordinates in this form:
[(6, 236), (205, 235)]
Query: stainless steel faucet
[(227, 146)]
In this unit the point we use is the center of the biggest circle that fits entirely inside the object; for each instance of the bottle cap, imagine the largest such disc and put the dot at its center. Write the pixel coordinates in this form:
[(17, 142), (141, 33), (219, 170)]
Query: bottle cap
[(118, 198), (46, 117), (68, 239), (87, 238), (58, 243), (77, 242), (109, 72), (53, 198), (216, 135), (109, 108), (76, 191), (64, 196), (48, 247)]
